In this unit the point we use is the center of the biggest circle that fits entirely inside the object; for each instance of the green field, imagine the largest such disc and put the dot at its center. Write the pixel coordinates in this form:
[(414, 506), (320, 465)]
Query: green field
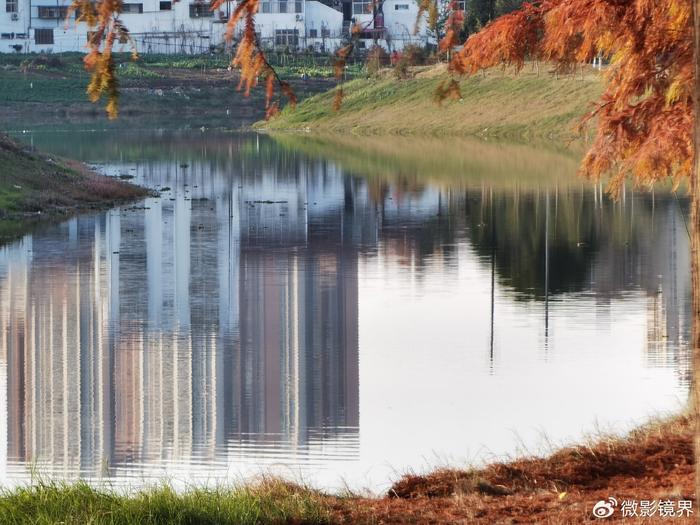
[(195, 90)]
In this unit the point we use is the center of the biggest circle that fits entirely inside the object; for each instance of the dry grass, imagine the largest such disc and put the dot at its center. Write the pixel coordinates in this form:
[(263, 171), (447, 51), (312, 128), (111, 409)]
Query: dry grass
[(654, 462)]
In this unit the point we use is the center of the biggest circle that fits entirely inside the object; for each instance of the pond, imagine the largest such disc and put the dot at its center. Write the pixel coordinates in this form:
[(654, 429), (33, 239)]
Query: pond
[(337, 311)]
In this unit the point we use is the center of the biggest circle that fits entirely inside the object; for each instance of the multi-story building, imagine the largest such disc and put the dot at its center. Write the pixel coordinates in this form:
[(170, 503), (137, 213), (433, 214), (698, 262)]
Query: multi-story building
[(191, 27)]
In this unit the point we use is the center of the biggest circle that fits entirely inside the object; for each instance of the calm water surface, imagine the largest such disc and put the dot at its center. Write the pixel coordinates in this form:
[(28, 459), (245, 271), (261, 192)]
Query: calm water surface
[(335, 312)]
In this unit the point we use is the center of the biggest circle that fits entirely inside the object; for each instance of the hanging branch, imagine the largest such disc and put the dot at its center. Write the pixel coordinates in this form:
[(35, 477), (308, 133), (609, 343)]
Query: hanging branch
[(105, 29), (250, 59), (645, 118), (102, 19)]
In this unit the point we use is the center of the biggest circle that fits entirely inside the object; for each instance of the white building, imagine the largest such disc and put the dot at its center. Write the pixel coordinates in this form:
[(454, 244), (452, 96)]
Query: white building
[(190, 27)]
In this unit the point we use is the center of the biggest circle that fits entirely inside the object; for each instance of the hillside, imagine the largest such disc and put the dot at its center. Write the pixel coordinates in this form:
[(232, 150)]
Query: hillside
[(535, 105)]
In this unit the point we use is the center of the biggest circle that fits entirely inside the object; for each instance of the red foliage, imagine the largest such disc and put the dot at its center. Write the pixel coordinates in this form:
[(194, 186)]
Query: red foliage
[(645, 116)]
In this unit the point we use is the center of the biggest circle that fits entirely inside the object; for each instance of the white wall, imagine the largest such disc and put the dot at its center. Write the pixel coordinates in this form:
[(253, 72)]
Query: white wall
[(319, 17), (268, 23), (10, 27), (400, 23), (73, 37), (154, 30)]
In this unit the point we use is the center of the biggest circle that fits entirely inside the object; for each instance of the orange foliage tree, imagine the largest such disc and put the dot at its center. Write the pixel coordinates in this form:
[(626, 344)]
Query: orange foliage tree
[(645, 117), (647, 130)]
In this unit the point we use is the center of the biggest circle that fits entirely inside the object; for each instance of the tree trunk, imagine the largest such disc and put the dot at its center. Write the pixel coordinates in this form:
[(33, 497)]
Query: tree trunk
[(695, 259)]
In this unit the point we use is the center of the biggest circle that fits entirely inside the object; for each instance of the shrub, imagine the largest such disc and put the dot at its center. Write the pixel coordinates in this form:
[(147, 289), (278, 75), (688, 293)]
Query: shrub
[(401, 69), (377, 58), (414, 55)]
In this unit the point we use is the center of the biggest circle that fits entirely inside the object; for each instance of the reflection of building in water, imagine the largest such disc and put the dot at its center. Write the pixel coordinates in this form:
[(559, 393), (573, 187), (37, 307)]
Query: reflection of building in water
[(55, 385), (225, 313), (655, 257), (127, 339), (667, 281), (298, 309), (298, 323)]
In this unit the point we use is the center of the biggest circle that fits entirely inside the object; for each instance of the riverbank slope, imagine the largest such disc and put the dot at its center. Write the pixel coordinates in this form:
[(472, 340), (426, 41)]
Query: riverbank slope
[(654, 463), (36, 188), (527, 106)]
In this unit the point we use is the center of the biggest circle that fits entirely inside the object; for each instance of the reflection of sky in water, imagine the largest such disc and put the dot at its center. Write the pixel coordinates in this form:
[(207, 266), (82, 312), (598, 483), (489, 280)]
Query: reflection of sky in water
[(273, 312)]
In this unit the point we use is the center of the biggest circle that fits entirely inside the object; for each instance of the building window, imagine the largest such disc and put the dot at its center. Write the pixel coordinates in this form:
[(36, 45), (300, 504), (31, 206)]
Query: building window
[(280, 6), (361, 7), (313, 33), (287, 37), (10, 6), (401, 7), (200, 10), (325, 32), (43, 36), (132, 8), (460, 5), (166, 6), (52, 12)]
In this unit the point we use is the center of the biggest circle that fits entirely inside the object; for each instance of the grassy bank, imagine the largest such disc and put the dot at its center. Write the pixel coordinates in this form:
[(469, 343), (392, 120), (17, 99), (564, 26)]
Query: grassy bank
[(653, 463), (36, 188), (496, 104)]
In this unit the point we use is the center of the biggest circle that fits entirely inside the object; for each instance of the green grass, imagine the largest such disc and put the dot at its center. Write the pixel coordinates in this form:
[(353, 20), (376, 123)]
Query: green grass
[(495, 104), (17, 87), (23, 173), (78, 504)]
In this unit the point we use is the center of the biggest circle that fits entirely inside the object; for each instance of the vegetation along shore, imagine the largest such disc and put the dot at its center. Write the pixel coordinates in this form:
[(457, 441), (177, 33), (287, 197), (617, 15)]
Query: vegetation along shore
[(656, 460), (36, 188)]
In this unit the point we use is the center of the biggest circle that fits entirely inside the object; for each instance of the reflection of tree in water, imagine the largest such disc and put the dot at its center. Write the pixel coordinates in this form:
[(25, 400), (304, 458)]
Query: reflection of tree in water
[(515, 224), (583, 232), (594, 243), (584, 227), (596, 247)]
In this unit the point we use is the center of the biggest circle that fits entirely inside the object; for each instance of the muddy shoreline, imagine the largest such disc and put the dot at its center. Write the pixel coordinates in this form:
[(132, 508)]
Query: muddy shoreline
[(37, 189)]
